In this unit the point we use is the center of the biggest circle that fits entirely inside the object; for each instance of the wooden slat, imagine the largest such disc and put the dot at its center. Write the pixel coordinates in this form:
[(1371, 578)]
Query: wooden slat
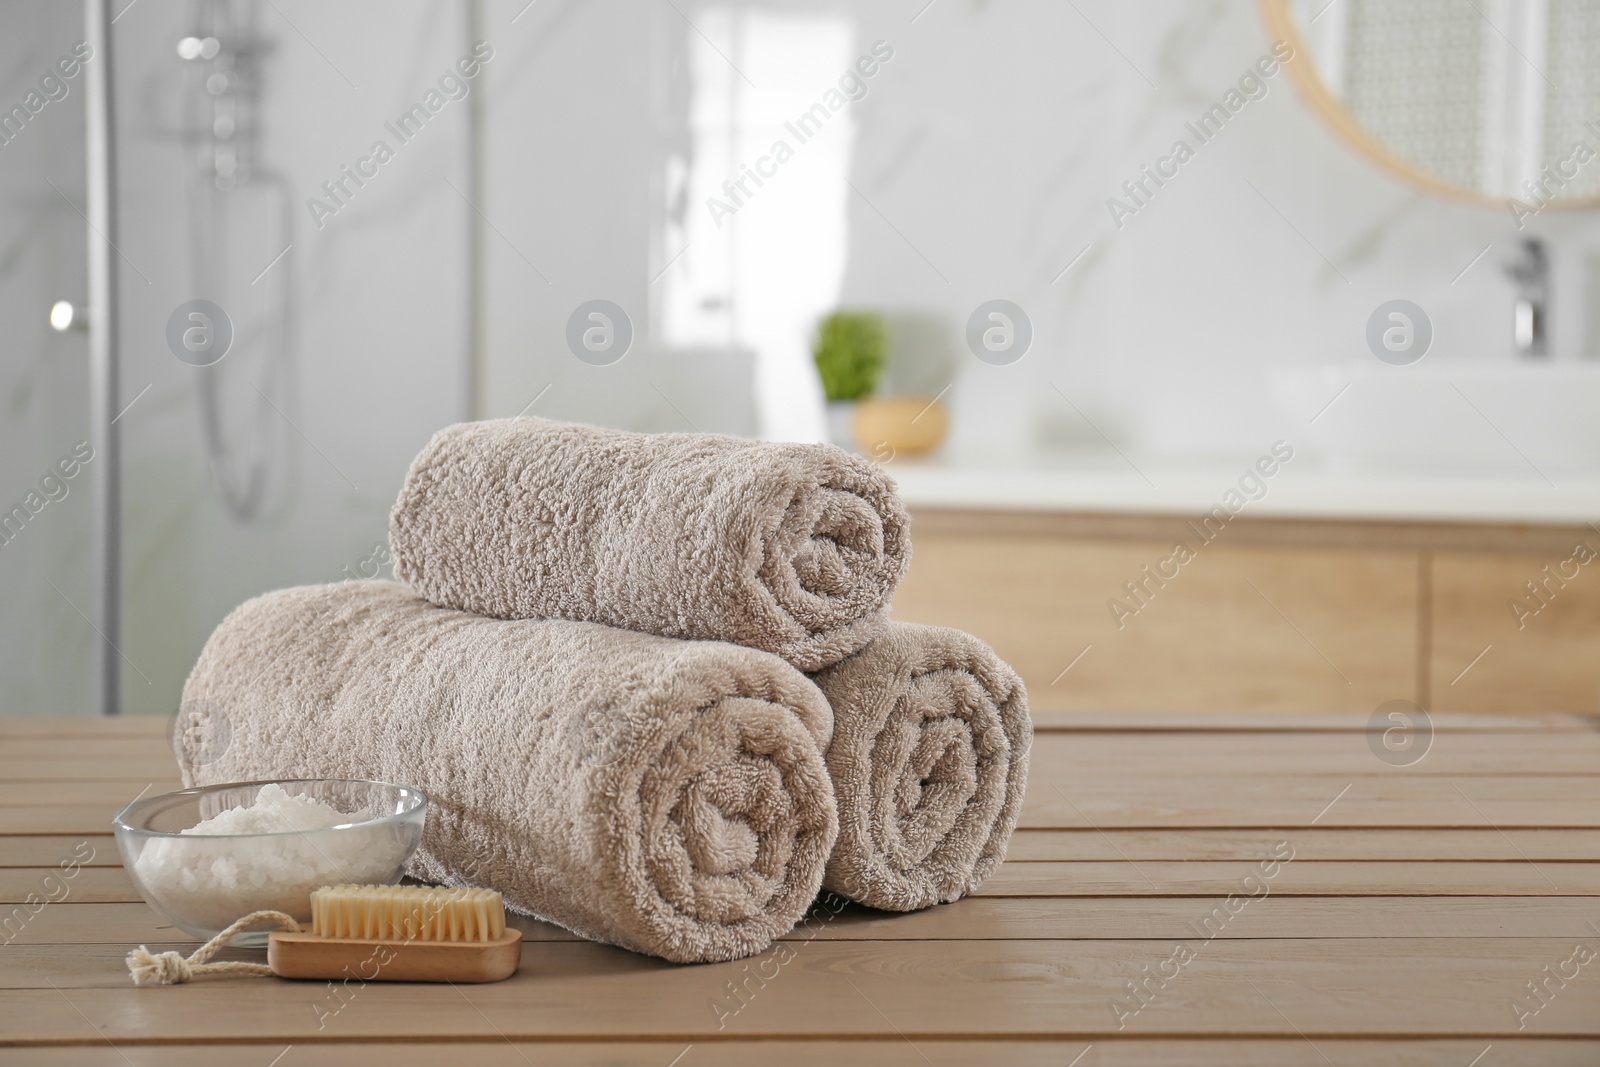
[(1205, 754), (137, 769), (43, 780), (1117, 788), (58, 819), (893, 1051), (1313, 844), (1303, 878), (1150, 878), (1065, 756), (1407, 987), (1296, 800), (47, 851), (1192, 801), (89, 885), (42, 944), (89, 746), (1164, 918), (152, 730), (75, 922), (113, 794), (1532, 724), (80, 726)]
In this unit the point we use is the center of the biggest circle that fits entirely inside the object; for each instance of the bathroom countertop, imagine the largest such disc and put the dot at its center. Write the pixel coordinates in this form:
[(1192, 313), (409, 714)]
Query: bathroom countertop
[(1112, 483), (1401, 918)]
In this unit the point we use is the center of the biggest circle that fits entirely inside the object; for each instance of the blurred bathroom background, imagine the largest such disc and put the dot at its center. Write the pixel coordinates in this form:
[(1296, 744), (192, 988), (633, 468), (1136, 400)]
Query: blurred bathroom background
[(1171, 344)]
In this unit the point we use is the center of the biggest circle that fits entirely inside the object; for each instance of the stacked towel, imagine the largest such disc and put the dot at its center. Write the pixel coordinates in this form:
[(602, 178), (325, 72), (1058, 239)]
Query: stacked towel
[(929, 760), (790, 548), (595, 677), (667, 796)]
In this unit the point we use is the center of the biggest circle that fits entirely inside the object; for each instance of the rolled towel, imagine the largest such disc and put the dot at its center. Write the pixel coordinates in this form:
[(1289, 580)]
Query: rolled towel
[(791, 548), (929, 761), (666, 796)]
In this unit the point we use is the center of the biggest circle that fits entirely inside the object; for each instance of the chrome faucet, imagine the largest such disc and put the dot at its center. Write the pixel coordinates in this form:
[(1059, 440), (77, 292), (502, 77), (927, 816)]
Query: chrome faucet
[(1531, 271)]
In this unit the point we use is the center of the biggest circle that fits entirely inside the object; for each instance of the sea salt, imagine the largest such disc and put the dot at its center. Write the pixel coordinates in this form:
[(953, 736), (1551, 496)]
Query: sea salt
[(212, 883)]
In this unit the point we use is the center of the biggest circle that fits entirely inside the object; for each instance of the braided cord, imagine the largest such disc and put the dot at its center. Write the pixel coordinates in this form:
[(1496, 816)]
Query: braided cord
[(170, 968)]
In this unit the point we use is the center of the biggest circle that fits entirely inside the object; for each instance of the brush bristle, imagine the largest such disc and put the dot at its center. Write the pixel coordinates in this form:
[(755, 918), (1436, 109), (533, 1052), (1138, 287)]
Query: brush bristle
[(407, 913)]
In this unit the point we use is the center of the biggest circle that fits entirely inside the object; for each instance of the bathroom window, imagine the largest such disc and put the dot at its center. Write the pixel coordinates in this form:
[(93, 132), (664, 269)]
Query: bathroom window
[(760, 236)]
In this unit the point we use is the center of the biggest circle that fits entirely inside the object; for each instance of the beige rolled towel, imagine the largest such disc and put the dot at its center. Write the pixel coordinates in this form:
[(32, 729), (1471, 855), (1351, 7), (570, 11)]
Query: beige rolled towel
[(666, 796), (791, 548), (929, 761)]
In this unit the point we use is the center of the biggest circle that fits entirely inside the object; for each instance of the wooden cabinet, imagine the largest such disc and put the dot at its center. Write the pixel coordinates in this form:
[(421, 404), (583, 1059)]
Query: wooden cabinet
[(1270, 615), (1500, 646)]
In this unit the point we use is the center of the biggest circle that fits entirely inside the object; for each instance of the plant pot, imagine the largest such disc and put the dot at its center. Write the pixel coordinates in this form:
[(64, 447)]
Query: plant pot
[(889, 426)]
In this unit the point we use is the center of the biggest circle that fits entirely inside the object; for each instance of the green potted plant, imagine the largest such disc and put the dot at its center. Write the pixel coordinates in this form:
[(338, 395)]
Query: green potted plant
[(850, 351)]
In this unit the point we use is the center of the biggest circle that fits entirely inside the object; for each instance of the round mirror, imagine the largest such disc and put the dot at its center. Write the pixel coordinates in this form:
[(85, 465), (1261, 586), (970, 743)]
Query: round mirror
[(1497, 101)]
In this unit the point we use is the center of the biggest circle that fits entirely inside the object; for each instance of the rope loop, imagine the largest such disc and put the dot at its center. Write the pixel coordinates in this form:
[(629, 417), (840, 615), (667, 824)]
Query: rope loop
[(170, 968)]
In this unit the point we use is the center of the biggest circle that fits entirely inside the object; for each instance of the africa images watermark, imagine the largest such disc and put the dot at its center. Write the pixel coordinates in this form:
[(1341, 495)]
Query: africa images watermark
[(375, 561), (1551, 980), (852, 86), (1142, 189), (454, 84), (771, 963), (1142, 991), (54, 485), (54, 86), (53, 887), (1553, 178), (1252, 486), (1400, 733), (1552, 579)]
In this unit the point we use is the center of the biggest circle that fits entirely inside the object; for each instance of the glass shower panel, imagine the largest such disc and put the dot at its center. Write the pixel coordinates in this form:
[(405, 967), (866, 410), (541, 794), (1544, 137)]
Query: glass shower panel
[(47, 461), (293, 319), (331, 292)]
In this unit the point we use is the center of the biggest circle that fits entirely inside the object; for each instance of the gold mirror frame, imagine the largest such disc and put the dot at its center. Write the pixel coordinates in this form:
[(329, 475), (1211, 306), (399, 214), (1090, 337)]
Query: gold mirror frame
[(1283, 26)]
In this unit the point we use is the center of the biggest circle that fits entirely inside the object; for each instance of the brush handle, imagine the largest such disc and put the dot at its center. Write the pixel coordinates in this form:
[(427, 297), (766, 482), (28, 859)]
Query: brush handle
[(305, 955)]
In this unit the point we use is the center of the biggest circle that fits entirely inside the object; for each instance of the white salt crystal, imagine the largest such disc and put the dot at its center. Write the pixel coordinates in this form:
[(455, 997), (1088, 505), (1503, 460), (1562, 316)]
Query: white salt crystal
[(275, 811), (211, 883)]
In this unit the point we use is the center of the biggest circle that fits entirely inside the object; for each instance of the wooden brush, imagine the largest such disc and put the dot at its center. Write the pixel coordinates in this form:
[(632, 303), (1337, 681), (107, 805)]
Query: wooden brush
[(400, 933)]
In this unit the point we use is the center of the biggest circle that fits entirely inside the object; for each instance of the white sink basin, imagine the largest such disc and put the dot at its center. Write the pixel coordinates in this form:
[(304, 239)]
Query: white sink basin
[(1542, 420)]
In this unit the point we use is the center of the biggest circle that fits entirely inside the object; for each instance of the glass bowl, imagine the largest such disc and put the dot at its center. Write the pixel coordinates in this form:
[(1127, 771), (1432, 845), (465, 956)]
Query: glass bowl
[(202, 882)]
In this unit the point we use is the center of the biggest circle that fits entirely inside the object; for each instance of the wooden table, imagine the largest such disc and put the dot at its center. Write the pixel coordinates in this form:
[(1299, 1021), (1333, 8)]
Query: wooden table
[(1419, 903)]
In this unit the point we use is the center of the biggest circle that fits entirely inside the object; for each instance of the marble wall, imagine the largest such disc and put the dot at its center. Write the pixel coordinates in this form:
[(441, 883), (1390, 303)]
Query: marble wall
[(983, 160)]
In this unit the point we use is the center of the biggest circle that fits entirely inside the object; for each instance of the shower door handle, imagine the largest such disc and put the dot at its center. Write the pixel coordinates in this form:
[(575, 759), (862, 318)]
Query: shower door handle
[(65, 315)]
